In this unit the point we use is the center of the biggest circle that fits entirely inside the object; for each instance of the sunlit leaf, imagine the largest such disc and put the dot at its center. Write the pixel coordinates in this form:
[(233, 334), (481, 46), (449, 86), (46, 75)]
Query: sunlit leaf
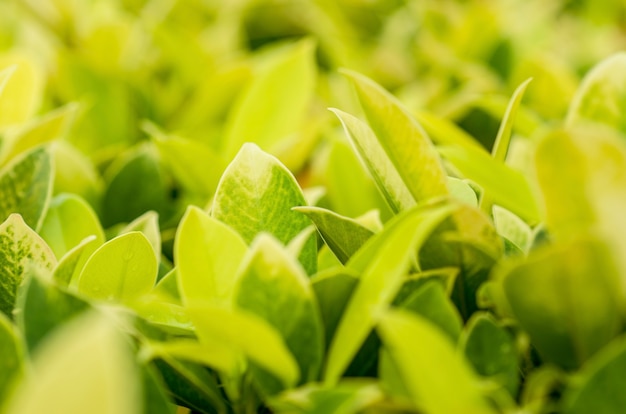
[(20, 247), (22, 93), (122, 269), (12, 361), (428, 363), (148, 224)]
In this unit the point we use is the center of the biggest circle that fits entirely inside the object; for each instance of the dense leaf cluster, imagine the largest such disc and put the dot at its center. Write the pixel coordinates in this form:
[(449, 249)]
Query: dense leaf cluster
[(186, 228)]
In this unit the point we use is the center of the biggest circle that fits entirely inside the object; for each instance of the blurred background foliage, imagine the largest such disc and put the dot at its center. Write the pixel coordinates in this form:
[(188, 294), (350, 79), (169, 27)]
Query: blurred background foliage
[(156, 93)]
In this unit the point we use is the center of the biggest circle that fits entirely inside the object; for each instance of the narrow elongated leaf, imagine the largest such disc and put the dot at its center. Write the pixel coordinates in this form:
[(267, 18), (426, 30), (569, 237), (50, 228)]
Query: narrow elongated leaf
[(271, 281), (380, 281), (274, 104), (598, 388), (567, 299), (207, 254), (249, 334), (601, 96), (68, 222), (373, 155), (342, 234), (492, 351), (505, 186), (20, 247), (99, 374), (503, 139), (25, 187), (445, 132), (428, 363), (405, 142), (123, 269), (42, 307), (256, 194), (12, 361)]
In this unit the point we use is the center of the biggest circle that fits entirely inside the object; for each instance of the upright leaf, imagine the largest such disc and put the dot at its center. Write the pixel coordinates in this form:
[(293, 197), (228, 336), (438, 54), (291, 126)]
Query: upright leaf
[(396, 246), (123, 269), (503, 139), (98, 370), (428, 364), (343, 235), (75, 173), (274, 104), (272, 281), (148, 225), (26, 186), (372, 153), (68, 222), (21, 94), (20, 247), (406, 144), (256, 194), (207, 254)]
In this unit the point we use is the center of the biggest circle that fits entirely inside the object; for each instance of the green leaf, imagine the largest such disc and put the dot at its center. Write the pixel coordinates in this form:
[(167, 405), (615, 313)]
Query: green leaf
[(492, 351), (207, 254), (26, 186), (98, 370), (512, 228), (503, 185), (445, 132), (20, 247), (51, 126), (122, 269), (12, 361), (274, 104), (194, 165), (272, 281), (428, 364), (462, 191), (601, 96), (68, 222), (503, 139), (21, 95), (249, 334), (431, 302), (256, 194), (387, 264), (597, 390), (68, 269), (381, 168), (406, 144), (42, 307), (75, 173), (156, 399), (148, 225), (567, 298), (342, 234), (333, 289)]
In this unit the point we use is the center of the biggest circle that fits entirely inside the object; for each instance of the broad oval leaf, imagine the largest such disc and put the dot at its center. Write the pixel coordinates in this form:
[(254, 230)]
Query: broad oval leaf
[(396, 247), (601, 97), (373, 155), (148, 224), (26, 187), (274, 104), (405, 142), (71, 264), (20, 247), (249, 334), (567, 298), (122, 269), (42, 307), (68, 222), (256, 194), (207, 254), (428, 363), (270, 282), (98, 370), (21, 95), (12, 361), (342, 234), (492, 351)]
